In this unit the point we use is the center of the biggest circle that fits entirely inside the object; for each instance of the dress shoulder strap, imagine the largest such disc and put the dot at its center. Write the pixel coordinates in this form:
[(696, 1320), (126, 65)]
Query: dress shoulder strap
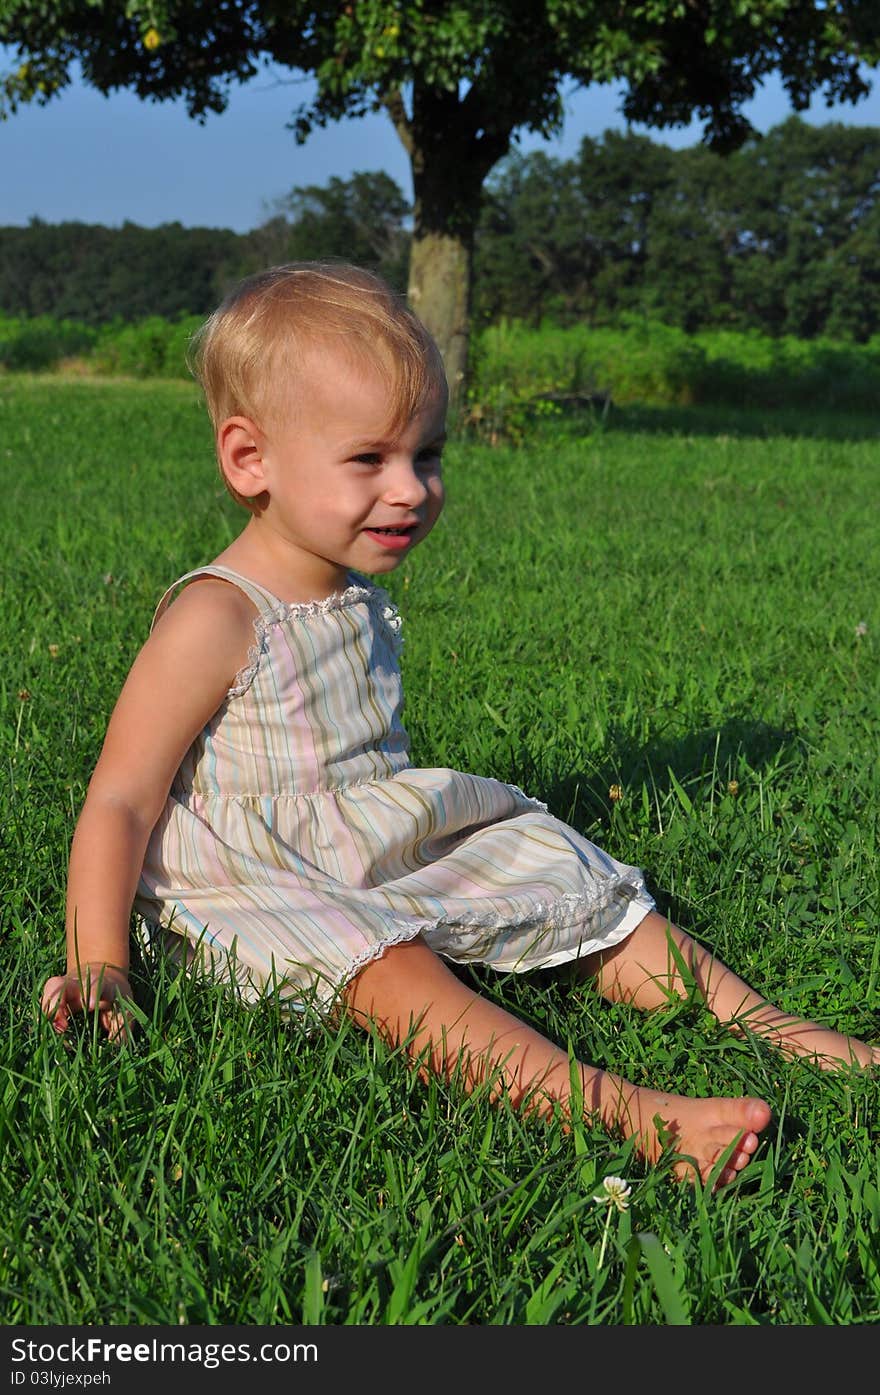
[(262, 599)]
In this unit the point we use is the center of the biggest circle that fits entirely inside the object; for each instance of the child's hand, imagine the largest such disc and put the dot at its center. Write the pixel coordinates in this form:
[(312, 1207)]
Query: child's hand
[(100, 988)]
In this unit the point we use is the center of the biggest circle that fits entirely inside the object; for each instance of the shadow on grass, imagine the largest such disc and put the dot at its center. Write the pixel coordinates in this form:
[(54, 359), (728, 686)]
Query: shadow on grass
[(718, 750), (717, 754), (763, 423), (705, 421)]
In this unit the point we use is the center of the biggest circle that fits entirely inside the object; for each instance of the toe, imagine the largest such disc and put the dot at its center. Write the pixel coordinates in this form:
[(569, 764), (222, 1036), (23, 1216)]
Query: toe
[(756, 1116)]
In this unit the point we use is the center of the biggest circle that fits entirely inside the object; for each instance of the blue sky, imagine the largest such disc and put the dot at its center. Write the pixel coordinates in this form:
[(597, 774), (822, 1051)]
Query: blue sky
[(95, 159)]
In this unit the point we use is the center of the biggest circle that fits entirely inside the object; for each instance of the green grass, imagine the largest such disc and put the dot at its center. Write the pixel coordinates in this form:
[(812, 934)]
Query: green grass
[(669, 604)]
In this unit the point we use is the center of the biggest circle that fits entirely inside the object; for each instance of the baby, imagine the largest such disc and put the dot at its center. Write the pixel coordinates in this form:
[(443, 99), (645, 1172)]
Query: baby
[(254, 800)]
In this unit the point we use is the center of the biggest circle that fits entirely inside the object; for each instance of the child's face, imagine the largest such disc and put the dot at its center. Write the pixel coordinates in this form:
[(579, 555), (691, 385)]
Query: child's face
[(345, 493)]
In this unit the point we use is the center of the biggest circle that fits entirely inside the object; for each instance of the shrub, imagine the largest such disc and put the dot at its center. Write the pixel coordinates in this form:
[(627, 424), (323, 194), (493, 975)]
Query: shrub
[(517, 371), (39, 344), (152, 348)]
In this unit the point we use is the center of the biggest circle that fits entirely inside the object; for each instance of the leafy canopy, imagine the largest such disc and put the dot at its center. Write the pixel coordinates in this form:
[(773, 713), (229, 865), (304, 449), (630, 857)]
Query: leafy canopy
[(505, 60)]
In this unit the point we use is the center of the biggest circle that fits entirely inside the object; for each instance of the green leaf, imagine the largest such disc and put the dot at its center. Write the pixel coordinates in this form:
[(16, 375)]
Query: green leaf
[(672, 1300)]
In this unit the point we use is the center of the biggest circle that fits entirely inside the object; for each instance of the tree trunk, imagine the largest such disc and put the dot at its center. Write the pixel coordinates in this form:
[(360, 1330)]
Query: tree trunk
[(452, 148), (440, 276)]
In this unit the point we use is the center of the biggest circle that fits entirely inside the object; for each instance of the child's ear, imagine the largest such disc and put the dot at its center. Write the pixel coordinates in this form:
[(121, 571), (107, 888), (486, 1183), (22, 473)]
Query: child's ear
[(240, 451)]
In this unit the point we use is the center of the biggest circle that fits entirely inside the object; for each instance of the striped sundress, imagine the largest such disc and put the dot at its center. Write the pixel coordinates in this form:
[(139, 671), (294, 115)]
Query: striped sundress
[(298, 842)]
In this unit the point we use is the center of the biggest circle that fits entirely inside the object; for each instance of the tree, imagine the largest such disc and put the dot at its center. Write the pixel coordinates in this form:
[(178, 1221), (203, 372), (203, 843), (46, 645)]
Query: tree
[(363, 218), (91, 273), (690, 239), (809, 208), (780, 236), (459, 79), (536, 253)]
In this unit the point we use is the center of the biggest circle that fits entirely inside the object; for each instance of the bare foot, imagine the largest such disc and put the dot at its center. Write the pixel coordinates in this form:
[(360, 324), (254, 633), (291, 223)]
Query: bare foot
[(699, 1129), (797, 1036)]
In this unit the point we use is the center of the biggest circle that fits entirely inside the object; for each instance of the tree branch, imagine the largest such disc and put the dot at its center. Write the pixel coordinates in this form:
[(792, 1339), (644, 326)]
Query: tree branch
[(394, 105)]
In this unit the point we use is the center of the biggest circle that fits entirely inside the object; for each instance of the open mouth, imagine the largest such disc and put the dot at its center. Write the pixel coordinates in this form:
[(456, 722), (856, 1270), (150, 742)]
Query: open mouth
[(397, 538)]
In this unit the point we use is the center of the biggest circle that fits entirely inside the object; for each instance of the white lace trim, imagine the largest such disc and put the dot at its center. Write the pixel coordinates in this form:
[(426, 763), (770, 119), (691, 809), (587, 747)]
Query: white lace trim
[(560, 914), (266, 620), (530, 799)]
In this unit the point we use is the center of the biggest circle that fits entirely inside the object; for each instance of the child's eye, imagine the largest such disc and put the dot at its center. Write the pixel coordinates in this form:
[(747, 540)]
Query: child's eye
[(368, 458)]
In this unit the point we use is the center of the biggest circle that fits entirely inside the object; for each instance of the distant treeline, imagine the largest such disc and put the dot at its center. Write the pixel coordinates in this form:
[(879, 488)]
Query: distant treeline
[(783, 237), (94, 275)]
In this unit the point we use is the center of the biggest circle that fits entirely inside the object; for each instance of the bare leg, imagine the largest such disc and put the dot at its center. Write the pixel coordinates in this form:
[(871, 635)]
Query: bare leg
[(642, 970), (412, 998)]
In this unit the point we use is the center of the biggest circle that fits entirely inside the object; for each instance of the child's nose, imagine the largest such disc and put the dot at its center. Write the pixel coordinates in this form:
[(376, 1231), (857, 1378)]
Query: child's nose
[(406, 486)]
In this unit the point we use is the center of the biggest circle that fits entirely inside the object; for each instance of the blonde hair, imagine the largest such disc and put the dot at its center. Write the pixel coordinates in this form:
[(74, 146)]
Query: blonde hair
[(261, 333)]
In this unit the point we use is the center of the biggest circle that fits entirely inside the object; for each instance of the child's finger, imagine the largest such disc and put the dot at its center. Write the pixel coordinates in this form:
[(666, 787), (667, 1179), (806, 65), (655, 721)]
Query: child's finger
[(117, 1023), (53, 989), (101, 994), (53, 1002)]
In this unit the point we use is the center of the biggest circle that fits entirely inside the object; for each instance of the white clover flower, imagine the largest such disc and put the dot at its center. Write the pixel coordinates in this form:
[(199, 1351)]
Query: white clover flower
[(616, 1192), (614, 1197), (861, 629)]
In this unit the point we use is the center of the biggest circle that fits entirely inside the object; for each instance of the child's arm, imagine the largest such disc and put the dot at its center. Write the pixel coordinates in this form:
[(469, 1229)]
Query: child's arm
[(176, 684)]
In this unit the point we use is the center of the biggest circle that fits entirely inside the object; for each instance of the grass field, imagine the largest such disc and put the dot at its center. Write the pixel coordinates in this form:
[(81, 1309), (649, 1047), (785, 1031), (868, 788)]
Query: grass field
[(681, 603)]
